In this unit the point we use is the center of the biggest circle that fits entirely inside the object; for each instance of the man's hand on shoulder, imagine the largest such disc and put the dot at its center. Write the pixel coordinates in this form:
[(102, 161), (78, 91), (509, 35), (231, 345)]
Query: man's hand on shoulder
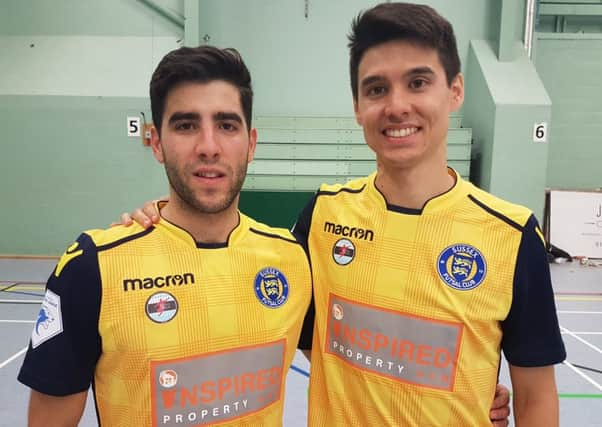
[(146, 216)]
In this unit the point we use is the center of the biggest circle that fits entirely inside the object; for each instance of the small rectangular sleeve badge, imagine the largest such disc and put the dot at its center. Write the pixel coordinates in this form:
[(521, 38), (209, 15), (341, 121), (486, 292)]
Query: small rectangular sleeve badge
[(49, 322)]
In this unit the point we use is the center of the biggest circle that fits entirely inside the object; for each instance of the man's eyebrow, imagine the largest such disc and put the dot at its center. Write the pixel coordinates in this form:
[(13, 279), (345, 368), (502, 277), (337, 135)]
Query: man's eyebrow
[(183, 115), (410, 73), (370, 79), (226, 115), (419, 70)]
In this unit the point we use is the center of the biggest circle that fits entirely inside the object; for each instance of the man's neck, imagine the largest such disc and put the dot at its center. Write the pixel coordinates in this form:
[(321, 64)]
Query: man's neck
[(203, 227), (412, 187)]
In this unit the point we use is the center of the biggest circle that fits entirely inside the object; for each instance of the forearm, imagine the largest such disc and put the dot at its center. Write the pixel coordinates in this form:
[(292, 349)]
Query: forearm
[(535, 399), (53, 411), (541, 410)]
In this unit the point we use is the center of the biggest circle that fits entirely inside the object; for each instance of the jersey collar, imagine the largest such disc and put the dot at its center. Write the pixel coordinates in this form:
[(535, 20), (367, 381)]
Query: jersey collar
[(439, 202), (184, 236)]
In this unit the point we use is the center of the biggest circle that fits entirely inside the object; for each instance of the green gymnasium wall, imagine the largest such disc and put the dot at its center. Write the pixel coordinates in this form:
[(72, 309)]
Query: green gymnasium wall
[(570, 66), (71, 72), (567, 53), (300, 64), (504, 100), (67, 165), (86, 17)]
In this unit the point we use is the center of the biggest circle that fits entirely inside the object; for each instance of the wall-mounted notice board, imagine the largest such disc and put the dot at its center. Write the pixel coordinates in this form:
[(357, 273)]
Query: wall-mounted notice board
[(574, 222)]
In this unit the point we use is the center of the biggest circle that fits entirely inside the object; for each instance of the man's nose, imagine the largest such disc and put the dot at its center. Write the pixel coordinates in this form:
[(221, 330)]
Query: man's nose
[(398, 104), (207, 145)]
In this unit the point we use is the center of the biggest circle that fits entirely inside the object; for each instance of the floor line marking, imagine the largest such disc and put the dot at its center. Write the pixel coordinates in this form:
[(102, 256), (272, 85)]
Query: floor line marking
[(583, 333), (9, 287), (587, 368), (578, 312), (587, 343), (581, 374), (26, 282), (31, 294), (578, 293), (567, 298), (21, 301), (16, 321), (299, 370), (579, 396), (23, 288), (13, 357)]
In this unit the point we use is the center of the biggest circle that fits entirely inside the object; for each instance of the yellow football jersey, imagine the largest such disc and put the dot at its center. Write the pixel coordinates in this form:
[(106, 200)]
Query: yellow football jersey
[(173, 332), (413, 306)]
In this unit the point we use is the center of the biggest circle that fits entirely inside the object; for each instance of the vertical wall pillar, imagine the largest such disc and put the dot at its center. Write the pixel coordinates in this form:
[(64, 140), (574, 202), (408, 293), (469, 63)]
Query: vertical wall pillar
[(503, 111), (506, 47), (192, 36)]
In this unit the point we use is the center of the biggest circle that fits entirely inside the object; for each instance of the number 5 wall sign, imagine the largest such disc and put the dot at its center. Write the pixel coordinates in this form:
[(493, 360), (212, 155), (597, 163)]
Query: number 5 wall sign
[(133, 124)]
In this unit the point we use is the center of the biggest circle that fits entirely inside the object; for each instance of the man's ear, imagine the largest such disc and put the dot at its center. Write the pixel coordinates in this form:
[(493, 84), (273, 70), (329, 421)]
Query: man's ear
[(155, 143), (457, 92), (252, 145), (358, 119)]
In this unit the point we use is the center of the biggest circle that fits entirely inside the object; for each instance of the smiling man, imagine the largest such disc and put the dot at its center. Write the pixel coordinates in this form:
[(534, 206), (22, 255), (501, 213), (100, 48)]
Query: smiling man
[(406, 329)]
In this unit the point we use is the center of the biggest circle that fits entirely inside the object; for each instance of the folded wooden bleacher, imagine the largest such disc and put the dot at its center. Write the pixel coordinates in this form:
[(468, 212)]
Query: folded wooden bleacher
[(300, 153)]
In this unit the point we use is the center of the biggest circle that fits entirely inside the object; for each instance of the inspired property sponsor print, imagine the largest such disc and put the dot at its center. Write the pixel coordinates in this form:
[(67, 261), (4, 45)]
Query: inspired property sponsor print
[(396, 345), (216, 387)]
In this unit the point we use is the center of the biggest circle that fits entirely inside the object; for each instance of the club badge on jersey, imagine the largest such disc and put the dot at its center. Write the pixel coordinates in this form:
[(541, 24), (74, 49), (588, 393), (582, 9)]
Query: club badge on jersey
[(161, 307), (271, 287), (462, 267), (343, 251)]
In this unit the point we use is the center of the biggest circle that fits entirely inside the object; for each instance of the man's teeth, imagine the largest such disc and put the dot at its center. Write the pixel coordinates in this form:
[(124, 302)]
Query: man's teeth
[(400, 133), (209, 174)]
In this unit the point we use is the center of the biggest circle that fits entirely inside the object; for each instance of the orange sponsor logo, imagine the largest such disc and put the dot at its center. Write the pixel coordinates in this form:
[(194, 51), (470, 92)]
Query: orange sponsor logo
[(399, 348), (207, 392)]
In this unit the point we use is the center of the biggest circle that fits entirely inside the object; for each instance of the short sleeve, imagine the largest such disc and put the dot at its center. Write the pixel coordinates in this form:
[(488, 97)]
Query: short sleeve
[(65, 344), (301, 231), (531, 334), (302, 226)]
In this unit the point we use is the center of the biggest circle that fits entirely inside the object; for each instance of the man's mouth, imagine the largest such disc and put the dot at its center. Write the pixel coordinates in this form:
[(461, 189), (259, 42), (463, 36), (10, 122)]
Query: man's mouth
[(209, 174), (400, 133)]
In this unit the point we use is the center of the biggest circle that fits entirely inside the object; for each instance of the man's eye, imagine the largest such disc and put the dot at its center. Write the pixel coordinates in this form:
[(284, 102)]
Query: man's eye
[(418, 84), (376, 90), (227, 126), (184, 126)]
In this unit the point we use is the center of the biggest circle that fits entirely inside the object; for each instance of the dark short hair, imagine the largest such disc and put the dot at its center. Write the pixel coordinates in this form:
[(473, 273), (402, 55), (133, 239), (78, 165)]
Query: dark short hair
[(406, 22), (201, 64)]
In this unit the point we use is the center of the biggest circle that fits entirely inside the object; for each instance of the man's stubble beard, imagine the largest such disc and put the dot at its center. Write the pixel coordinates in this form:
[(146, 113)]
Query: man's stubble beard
[(189, 199)]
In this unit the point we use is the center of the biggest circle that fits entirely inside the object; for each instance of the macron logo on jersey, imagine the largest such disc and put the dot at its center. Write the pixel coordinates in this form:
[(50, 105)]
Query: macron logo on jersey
[(353, 232), (158, 282)]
